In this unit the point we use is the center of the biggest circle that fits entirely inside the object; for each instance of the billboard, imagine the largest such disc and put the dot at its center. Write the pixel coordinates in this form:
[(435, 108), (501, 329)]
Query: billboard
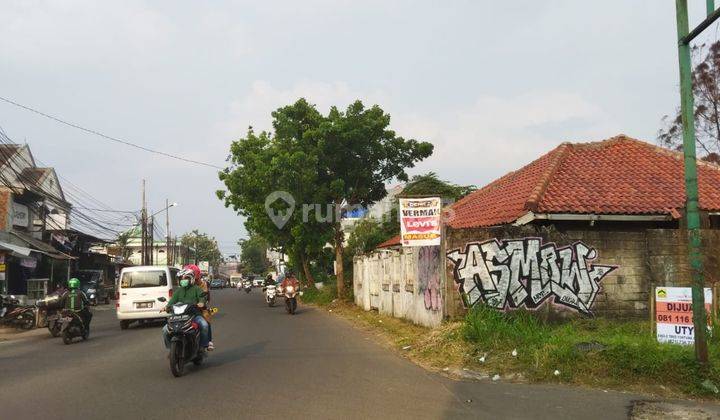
[(673, 314), (420, 221)]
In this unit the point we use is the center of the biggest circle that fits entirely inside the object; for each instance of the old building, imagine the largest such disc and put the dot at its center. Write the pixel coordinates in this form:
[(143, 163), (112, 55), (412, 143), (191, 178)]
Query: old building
[(32, 203), (588, 228)]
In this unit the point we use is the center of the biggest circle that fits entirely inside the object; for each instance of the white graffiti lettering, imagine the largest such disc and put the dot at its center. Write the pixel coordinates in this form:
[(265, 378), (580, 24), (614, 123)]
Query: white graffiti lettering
[(525, 272)]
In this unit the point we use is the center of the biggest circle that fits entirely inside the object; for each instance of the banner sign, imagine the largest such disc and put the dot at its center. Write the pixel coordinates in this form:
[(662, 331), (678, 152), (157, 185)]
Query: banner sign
[(21, 215), (420, 221), (673, 314)]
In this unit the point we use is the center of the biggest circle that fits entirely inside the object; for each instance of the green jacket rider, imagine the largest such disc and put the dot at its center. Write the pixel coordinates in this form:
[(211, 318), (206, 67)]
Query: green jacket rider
[(76, 301), (190, 294)]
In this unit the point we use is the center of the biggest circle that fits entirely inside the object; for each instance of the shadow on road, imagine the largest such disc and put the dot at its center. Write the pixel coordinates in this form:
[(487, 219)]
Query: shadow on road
[(146, 324), (232, 355)]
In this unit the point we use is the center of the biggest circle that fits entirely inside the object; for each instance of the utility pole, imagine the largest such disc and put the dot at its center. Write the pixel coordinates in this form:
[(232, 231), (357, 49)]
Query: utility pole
[(168, 259), (151, 232), (687, 109), (143, 233)]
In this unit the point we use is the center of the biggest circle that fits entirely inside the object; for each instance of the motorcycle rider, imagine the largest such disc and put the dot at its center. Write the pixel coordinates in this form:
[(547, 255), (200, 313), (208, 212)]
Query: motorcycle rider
[(289, 280), (203, 284), (192, 294), (76, 300), (269, 280)]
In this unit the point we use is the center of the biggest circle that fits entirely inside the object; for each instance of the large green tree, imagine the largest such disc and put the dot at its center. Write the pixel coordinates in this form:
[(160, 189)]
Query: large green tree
[(359, 154), (326, 163), (205, 246), (253, 254), (268, 169)]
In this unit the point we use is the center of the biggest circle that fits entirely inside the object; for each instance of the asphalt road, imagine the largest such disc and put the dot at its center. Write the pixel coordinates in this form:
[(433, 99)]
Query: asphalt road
[(267, 364)]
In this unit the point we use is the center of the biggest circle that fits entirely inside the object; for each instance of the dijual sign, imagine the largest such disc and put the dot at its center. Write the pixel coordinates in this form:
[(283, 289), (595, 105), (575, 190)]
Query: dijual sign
[(673, 314), (420, 221)]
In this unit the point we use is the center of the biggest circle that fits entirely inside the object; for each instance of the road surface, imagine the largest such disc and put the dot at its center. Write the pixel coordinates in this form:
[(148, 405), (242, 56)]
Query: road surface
[(267, 364)]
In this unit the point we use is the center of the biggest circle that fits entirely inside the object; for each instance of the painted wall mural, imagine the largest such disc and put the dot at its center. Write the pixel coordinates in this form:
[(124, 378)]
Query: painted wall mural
[(429, 276), (525, 272)]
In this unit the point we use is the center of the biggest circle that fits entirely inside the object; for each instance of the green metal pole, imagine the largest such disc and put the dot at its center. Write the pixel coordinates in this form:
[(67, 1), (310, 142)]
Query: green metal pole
[(691, 187), (710, 6)]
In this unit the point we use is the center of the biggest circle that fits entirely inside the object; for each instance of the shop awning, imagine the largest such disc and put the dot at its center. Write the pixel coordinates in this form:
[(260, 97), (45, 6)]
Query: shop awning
[(42, 247), (15, 250)]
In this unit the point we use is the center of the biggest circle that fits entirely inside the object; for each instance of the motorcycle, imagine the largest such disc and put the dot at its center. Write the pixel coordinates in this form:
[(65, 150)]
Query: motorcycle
[(291, 293), (247, 286), (270, 291), (73, 326), (12, 313), (49, 310), (184, 338)]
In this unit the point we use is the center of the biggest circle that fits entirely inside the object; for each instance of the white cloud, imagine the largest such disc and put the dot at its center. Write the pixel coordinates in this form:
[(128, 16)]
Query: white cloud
[(473, 144), (254, 109)]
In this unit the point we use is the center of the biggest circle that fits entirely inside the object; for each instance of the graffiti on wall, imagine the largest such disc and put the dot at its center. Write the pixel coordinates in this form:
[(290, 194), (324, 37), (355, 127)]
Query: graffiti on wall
[(429, 276), (525, 272)]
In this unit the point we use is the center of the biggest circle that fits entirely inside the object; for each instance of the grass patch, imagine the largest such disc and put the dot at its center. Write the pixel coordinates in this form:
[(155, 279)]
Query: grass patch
[(598, 352), (320, 297)]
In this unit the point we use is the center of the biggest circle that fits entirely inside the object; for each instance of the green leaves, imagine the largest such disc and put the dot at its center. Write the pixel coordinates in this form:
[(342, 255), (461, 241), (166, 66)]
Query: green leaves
[(344, 158), (253, 254), (205, 246)]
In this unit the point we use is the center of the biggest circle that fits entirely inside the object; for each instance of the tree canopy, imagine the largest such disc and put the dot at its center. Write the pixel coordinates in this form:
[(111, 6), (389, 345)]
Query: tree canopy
[(326, 163), (253, 254), (205, 246), (430, 184), (706, 91)]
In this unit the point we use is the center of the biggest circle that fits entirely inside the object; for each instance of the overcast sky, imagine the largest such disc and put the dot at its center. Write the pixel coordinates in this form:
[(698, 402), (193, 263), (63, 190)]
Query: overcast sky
[(492, 84)]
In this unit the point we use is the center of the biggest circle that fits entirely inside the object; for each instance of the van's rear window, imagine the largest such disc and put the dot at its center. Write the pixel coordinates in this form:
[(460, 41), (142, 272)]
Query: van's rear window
[(143, 279)]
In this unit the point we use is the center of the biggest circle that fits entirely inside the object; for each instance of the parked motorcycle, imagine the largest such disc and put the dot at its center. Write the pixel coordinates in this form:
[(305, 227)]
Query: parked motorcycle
[(49, 309), (184, 338), (291, 293), (72, 326), (270, 291), (14, 314)]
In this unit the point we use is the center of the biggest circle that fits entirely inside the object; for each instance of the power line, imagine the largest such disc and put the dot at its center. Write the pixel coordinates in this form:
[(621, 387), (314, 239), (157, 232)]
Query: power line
[(107, 210), (115, 139)]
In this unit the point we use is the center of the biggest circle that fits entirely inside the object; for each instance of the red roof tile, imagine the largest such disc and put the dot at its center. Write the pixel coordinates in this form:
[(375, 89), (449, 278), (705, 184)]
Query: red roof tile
[(620, 175), (394, 241)]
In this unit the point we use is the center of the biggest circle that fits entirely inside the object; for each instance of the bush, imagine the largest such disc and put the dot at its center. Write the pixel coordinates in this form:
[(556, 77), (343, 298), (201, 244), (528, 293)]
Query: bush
[(322, 296)]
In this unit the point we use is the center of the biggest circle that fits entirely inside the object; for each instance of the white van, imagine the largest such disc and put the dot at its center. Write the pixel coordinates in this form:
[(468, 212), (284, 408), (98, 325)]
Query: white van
[(139, 289)]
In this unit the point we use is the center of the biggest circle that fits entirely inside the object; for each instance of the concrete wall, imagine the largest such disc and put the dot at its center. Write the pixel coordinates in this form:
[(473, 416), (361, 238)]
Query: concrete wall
[(403, 284), (628, 262)]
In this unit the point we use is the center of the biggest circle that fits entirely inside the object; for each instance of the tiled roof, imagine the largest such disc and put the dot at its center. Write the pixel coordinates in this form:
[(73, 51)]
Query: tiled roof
[(394, 241), (620, 175)]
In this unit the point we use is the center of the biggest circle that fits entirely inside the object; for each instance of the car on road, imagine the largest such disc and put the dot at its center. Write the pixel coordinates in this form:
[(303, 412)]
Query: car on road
[(258, 281), (143, 291), (217, 284)]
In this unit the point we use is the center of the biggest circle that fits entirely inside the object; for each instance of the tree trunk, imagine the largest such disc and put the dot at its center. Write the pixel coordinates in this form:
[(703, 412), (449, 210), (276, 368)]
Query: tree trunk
[(309, 279), (339, 269)]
